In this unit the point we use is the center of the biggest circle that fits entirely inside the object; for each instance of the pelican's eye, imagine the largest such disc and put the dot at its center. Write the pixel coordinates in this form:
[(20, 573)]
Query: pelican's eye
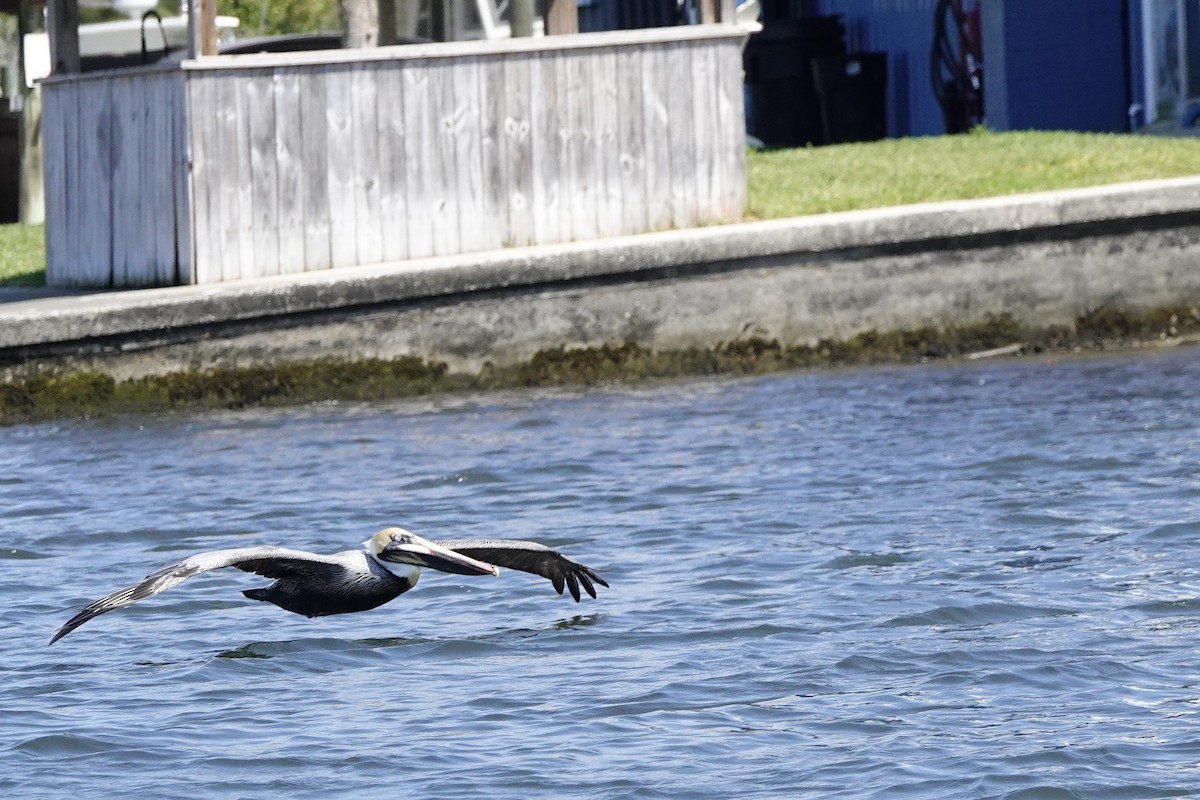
[(401, 538)]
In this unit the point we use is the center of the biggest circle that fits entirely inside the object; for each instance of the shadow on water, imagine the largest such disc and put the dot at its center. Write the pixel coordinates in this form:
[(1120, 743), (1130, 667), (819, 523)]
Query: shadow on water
[(17, 554), (245, 651), (481, 644), (311, 645), (578, 621)]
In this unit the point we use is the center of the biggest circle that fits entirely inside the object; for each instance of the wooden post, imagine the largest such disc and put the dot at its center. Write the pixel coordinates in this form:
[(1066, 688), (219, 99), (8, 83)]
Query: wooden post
[(387, 22), (208, 28), (360, 23), (522, 17), (31, 204), (202, 28), (713, 11), (193, 27), (562, 17), (440, 23), (63, 27)]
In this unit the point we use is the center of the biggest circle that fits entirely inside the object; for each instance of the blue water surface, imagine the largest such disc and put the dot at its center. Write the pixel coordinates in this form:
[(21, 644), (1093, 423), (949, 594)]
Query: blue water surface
[(973, 581)]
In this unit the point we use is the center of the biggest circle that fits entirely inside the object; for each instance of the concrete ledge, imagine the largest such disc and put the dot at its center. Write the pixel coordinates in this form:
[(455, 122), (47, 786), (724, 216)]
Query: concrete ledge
[(1126, 236)]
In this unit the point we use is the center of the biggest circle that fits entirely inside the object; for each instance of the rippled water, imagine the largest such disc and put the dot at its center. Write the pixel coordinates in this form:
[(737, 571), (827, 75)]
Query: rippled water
[(970, 581)]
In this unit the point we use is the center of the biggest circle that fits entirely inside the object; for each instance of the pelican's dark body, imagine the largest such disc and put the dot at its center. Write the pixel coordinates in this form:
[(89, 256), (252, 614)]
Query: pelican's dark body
[(364, 584)]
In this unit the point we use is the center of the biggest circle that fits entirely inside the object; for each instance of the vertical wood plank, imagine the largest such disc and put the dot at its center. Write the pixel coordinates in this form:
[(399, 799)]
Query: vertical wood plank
[(682, 144), (580, 152), (56, 116), (547, 146), (607, 109), (159, 169), (565, 138), (656, 87), (494, 228), (258, 90), (223, 176), (516, 151), (393, 205), (93, 191), (631, 156), (159, 173), (467, 132), (420, 135), (343, 225), (181, 251), (364, 130), (76, 235), (289, 161), (706, 136), (123, 181), (314, 149), (226, 172), (448, 113), (206, 190), (127, 182), (731, 127), (239, 87), (199, 137), (72, 234)]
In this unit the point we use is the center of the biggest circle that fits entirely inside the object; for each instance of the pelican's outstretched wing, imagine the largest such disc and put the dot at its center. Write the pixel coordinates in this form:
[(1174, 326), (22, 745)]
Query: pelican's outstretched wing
[(530, 557), (271, 562)]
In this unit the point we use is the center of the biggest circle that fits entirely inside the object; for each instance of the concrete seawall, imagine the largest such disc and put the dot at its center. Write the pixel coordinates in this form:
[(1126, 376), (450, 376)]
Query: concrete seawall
[(1043, 258)]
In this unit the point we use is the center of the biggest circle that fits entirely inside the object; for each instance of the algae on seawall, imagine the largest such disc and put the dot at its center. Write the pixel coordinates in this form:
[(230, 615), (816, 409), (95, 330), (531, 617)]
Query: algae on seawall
[(38, 395)]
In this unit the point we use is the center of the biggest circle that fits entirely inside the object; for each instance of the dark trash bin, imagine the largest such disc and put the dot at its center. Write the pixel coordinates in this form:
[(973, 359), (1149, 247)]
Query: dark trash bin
[(787, 9), (783, 109), (852, 92)]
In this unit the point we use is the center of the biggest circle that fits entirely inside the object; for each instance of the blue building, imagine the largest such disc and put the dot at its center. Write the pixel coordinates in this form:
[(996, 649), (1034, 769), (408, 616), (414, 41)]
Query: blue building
[(1087, 65)]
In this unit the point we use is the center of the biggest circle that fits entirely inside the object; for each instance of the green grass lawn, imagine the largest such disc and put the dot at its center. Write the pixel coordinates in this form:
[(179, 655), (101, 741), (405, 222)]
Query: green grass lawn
[(813, 180), (22, 255)]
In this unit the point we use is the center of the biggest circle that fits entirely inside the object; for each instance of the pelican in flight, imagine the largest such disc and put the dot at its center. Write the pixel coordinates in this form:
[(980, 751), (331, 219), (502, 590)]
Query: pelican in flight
[(386, 567)]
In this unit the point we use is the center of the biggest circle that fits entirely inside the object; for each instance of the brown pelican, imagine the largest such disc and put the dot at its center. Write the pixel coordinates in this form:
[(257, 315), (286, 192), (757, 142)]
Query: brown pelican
[(386, 567)]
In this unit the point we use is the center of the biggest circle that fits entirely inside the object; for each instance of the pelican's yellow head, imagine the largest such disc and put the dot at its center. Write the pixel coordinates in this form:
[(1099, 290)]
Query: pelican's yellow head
[(376, 544), (402, 547)]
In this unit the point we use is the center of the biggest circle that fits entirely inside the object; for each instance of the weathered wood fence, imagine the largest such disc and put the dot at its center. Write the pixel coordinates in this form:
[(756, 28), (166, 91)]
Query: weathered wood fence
[(114, 150), (309, 161)]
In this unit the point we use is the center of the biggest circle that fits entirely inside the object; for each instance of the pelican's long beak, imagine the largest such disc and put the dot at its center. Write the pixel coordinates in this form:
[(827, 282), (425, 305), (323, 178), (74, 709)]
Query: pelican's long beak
[(412, 549)]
